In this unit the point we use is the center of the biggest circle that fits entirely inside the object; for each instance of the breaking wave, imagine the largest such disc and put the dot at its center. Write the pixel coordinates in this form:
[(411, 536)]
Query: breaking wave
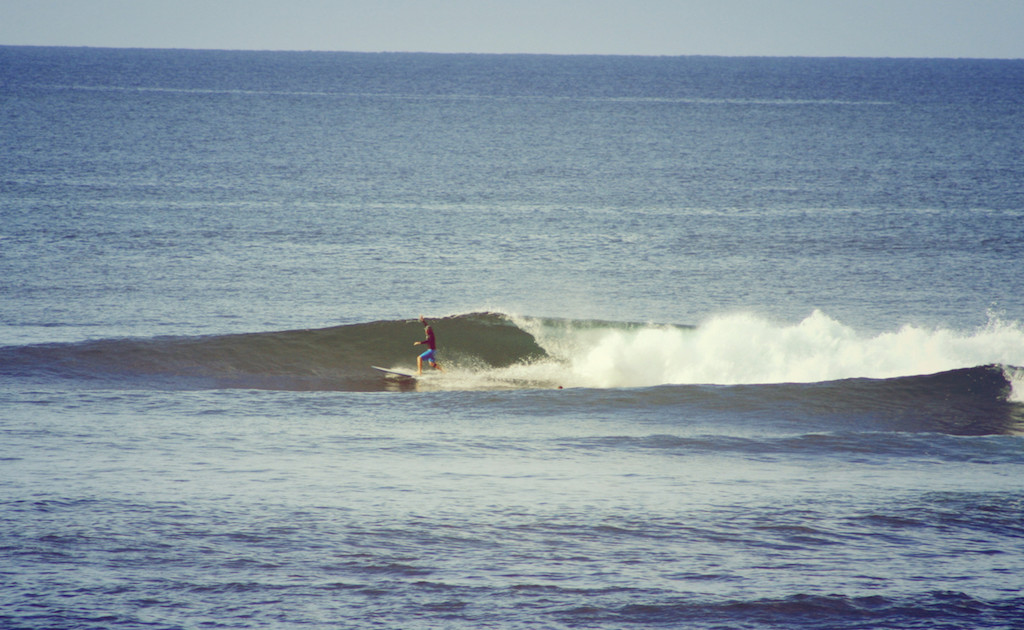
[(955, 379)]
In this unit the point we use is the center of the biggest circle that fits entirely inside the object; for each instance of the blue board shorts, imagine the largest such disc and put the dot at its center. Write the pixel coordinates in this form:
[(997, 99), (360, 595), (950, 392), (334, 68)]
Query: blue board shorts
[(429, 355)]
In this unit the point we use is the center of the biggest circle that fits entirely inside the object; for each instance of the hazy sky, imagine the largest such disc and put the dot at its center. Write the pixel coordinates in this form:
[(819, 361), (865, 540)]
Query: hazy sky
[(861, 28)]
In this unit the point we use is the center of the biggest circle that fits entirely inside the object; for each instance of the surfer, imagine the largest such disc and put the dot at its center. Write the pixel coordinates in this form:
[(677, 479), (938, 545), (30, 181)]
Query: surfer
[(431, 354)]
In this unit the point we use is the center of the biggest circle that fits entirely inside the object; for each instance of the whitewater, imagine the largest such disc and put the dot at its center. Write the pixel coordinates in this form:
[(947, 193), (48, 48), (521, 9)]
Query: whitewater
[(746, 349)]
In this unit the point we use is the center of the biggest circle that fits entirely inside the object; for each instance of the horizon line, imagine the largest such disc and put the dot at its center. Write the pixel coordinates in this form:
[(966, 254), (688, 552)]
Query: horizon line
[(497, 54)]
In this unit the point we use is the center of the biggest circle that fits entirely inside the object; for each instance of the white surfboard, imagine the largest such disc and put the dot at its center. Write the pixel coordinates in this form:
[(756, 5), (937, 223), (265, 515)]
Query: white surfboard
[(395, 373)]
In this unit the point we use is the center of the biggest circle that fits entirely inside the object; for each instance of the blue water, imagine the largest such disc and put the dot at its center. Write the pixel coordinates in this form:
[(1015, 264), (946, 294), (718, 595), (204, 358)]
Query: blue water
[(728, 343)]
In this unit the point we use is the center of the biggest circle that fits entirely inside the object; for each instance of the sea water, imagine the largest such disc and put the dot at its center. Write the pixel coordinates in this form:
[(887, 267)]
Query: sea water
[(728, 343)]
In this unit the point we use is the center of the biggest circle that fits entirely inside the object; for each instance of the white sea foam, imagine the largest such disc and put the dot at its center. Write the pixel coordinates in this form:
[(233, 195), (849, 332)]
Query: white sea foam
[(748, 349)]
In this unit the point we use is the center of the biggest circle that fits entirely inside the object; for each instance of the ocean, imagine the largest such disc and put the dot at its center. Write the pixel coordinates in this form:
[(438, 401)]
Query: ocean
[(727, 342)]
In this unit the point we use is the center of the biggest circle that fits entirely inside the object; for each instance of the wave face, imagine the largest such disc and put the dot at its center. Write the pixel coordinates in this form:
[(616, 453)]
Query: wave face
[(336, 358), (916, 379)]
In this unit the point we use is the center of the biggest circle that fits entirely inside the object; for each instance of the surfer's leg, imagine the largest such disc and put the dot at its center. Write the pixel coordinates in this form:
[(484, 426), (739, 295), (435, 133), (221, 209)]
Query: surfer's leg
[(429, 356)]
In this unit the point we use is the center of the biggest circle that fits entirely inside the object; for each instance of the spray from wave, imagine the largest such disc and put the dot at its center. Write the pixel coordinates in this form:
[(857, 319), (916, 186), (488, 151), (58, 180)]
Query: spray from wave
[(746, 349)]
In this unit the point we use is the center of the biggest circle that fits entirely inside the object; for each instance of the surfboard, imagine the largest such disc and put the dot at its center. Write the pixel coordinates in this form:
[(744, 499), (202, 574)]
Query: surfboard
[(394, 372)]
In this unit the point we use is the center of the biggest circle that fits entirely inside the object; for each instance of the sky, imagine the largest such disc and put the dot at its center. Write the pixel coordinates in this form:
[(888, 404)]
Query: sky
[(807, 28)]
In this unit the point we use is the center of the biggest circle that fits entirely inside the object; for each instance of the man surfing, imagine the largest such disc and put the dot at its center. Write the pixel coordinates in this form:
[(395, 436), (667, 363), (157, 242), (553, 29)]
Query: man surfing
[(431, 354)]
